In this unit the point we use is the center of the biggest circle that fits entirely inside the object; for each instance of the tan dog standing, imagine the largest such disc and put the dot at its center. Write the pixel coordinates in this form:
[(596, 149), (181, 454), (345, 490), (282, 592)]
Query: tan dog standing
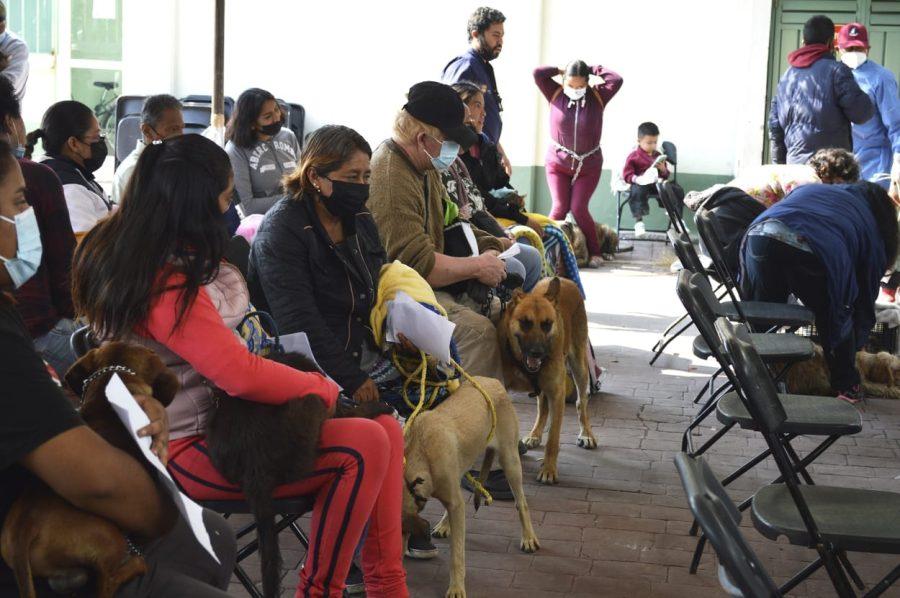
[(542, 335), (441, 444)]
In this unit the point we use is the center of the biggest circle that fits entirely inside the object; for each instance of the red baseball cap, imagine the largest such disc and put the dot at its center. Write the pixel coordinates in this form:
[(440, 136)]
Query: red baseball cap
[(853, 35)]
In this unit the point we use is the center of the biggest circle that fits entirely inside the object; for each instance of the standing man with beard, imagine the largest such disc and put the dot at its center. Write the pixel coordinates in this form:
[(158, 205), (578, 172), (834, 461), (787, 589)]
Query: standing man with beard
[(485, 35)]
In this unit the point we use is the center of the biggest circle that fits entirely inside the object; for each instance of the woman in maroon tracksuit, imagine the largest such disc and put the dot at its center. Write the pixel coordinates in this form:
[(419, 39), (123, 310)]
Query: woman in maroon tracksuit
[(574, 158)]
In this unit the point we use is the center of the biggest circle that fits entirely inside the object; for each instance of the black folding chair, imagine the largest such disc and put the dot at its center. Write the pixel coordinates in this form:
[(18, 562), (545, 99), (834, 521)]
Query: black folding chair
[(673, 206), (827, 417), (775, 348), (711, 235), (831, 520), (741, 573)]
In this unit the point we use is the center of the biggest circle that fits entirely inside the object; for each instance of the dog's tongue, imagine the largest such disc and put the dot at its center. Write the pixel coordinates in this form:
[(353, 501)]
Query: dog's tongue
[(533, 363)]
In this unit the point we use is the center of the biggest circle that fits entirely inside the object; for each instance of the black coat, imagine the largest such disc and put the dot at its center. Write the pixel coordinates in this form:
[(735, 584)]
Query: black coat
[(488, 174), (308, 285)]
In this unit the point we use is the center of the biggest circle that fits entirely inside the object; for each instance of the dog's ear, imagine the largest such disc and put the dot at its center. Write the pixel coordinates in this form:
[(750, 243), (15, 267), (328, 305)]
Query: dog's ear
[(80, 371), (517, 295), (165, 385), (552, 293)]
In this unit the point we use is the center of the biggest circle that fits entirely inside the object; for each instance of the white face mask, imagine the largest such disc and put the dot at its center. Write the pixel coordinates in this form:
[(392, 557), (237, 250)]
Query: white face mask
[(854, 59), (574, 94), (28, 256)]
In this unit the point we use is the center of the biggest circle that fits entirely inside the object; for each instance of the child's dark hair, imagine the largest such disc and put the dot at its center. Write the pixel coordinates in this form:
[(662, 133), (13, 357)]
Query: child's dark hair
[(647, 128), (835, 165), (578, 68), (818, 30), (61, 120)]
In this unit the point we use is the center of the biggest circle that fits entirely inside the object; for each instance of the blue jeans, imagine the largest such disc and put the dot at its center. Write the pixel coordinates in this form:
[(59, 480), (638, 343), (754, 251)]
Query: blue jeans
[(55, 347), (528, 264)]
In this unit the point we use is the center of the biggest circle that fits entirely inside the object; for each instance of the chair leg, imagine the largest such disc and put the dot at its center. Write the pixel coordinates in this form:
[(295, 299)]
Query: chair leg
[(659, 351), (801, 575), (246, 581), (836, 573), (854, 576), (698, 554), (301, 536), (884, 584)]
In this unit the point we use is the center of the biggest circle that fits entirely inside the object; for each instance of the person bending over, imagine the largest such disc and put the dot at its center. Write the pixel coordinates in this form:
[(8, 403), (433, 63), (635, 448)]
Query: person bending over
[(828, 245), (183, 302)]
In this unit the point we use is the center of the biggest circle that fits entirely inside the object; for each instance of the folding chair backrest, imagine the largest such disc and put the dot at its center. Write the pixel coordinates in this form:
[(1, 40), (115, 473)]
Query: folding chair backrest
[(205, 99), (755, 381), (684, 249), (128, 105), (671, 204), (668, 148), (196, 116), (707, 227), (702, 315), (719, 518), (128, 131)]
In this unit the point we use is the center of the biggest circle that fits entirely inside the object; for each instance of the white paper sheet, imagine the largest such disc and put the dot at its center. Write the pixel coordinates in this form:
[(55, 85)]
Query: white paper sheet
[(470, 237), (424, 328), (298, 342), (134, 419), (511, 252)]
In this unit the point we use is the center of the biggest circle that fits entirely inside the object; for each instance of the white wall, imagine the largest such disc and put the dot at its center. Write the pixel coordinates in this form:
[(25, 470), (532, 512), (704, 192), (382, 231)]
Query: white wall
[(696, 67)]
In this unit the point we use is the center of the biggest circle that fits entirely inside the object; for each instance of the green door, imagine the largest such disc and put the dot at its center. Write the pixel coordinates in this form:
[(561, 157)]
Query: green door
[(881, 18)]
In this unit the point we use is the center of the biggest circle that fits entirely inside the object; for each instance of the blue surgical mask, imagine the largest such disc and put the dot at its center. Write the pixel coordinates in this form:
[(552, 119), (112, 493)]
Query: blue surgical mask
[(19, 151), (28, 256), (448, 155)]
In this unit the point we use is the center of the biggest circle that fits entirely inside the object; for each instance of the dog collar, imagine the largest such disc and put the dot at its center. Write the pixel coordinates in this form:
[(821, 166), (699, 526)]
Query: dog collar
[(104, 370)]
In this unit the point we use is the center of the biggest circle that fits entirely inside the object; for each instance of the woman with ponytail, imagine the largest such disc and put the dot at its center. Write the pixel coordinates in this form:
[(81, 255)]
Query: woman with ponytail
[(74, 149), (182, 301), (574, 158)]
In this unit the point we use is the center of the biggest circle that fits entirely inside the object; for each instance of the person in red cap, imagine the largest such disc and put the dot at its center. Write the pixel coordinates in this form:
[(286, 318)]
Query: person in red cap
[(816, 100), (876, 142)]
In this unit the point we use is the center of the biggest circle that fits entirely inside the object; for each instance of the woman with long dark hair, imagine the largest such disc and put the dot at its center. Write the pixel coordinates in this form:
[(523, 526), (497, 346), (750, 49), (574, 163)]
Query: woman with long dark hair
[(829, 245), (261, 149), (574, 158), (181, 300), (75, 149)]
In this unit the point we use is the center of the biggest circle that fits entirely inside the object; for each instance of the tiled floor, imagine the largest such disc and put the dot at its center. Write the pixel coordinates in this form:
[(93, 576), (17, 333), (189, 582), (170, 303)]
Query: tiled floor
[(617, 523)]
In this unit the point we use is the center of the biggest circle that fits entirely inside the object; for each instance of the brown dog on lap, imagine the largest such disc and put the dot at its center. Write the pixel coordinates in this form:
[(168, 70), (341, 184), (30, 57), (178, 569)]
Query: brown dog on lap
[(45, 536), (259, 447)]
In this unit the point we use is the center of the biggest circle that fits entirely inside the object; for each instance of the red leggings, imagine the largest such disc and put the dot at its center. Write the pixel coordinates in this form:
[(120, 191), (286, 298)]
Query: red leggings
[(567, 196), (357, 479)]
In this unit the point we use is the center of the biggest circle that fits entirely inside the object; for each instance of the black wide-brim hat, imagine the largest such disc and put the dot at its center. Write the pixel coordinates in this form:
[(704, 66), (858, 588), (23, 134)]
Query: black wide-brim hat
[(438, 105)]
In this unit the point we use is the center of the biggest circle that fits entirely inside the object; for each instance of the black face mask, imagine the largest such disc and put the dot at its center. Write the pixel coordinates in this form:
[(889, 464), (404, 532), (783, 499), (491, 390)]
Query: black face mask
[(346, 199), (99, 151), (271, 130)]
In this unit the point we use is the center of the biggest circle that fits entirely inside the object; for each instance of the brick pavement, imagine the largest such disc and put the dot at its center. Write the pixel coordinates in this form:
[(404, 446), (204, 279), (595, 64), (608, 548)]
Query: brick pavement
[(617, 523)]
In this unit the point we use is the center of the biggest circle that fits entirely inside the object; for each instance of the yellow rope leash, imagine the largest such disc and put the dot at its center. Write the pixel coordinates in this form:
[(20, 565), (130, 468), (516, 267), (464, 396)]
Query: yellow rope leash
[(421, 372)]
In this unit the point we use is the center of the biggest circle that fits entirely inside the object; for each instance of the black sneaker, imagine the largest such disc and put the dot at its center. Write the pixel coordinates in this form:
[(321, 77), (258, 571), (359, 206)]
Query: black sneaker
[(421, 547), (354, 585), (496, 484)]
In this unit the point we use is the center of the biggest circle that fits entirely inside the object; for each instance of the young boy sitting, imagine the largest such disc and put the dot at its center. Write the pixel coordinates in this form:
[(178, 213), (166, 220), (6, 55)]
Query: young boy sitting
[(643, 167)]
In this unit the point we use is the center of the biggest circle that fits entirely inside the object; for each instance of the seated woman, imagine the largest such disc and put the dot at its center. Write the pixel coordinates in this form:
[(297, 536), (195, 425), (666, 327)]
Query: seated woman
[(316, 261), (41, 435), (485, 165), (75, 150), (261, 150), (182, 301), (829, 245), (43, 289)]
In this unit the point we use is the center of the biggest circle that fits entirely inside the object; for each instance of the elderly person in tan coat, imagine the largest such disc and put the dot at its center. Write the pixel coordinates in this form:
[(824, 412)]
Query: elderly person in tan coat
[(407, 200)]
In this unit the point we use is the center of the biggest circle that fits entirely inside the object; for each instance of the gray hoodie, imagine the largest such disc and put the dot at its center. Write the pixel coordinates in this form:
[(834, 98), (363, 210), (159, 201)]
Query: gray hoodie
[(258, 170)]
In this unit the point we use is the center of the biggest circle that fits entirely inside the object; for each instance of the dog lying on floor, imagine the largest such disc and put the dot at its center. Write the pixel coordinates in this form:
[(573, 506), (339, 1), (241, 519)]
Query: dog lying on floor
[(879, 372), (259, 447), (543, 335), (607, 237), (45, 536), (440, 446)]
